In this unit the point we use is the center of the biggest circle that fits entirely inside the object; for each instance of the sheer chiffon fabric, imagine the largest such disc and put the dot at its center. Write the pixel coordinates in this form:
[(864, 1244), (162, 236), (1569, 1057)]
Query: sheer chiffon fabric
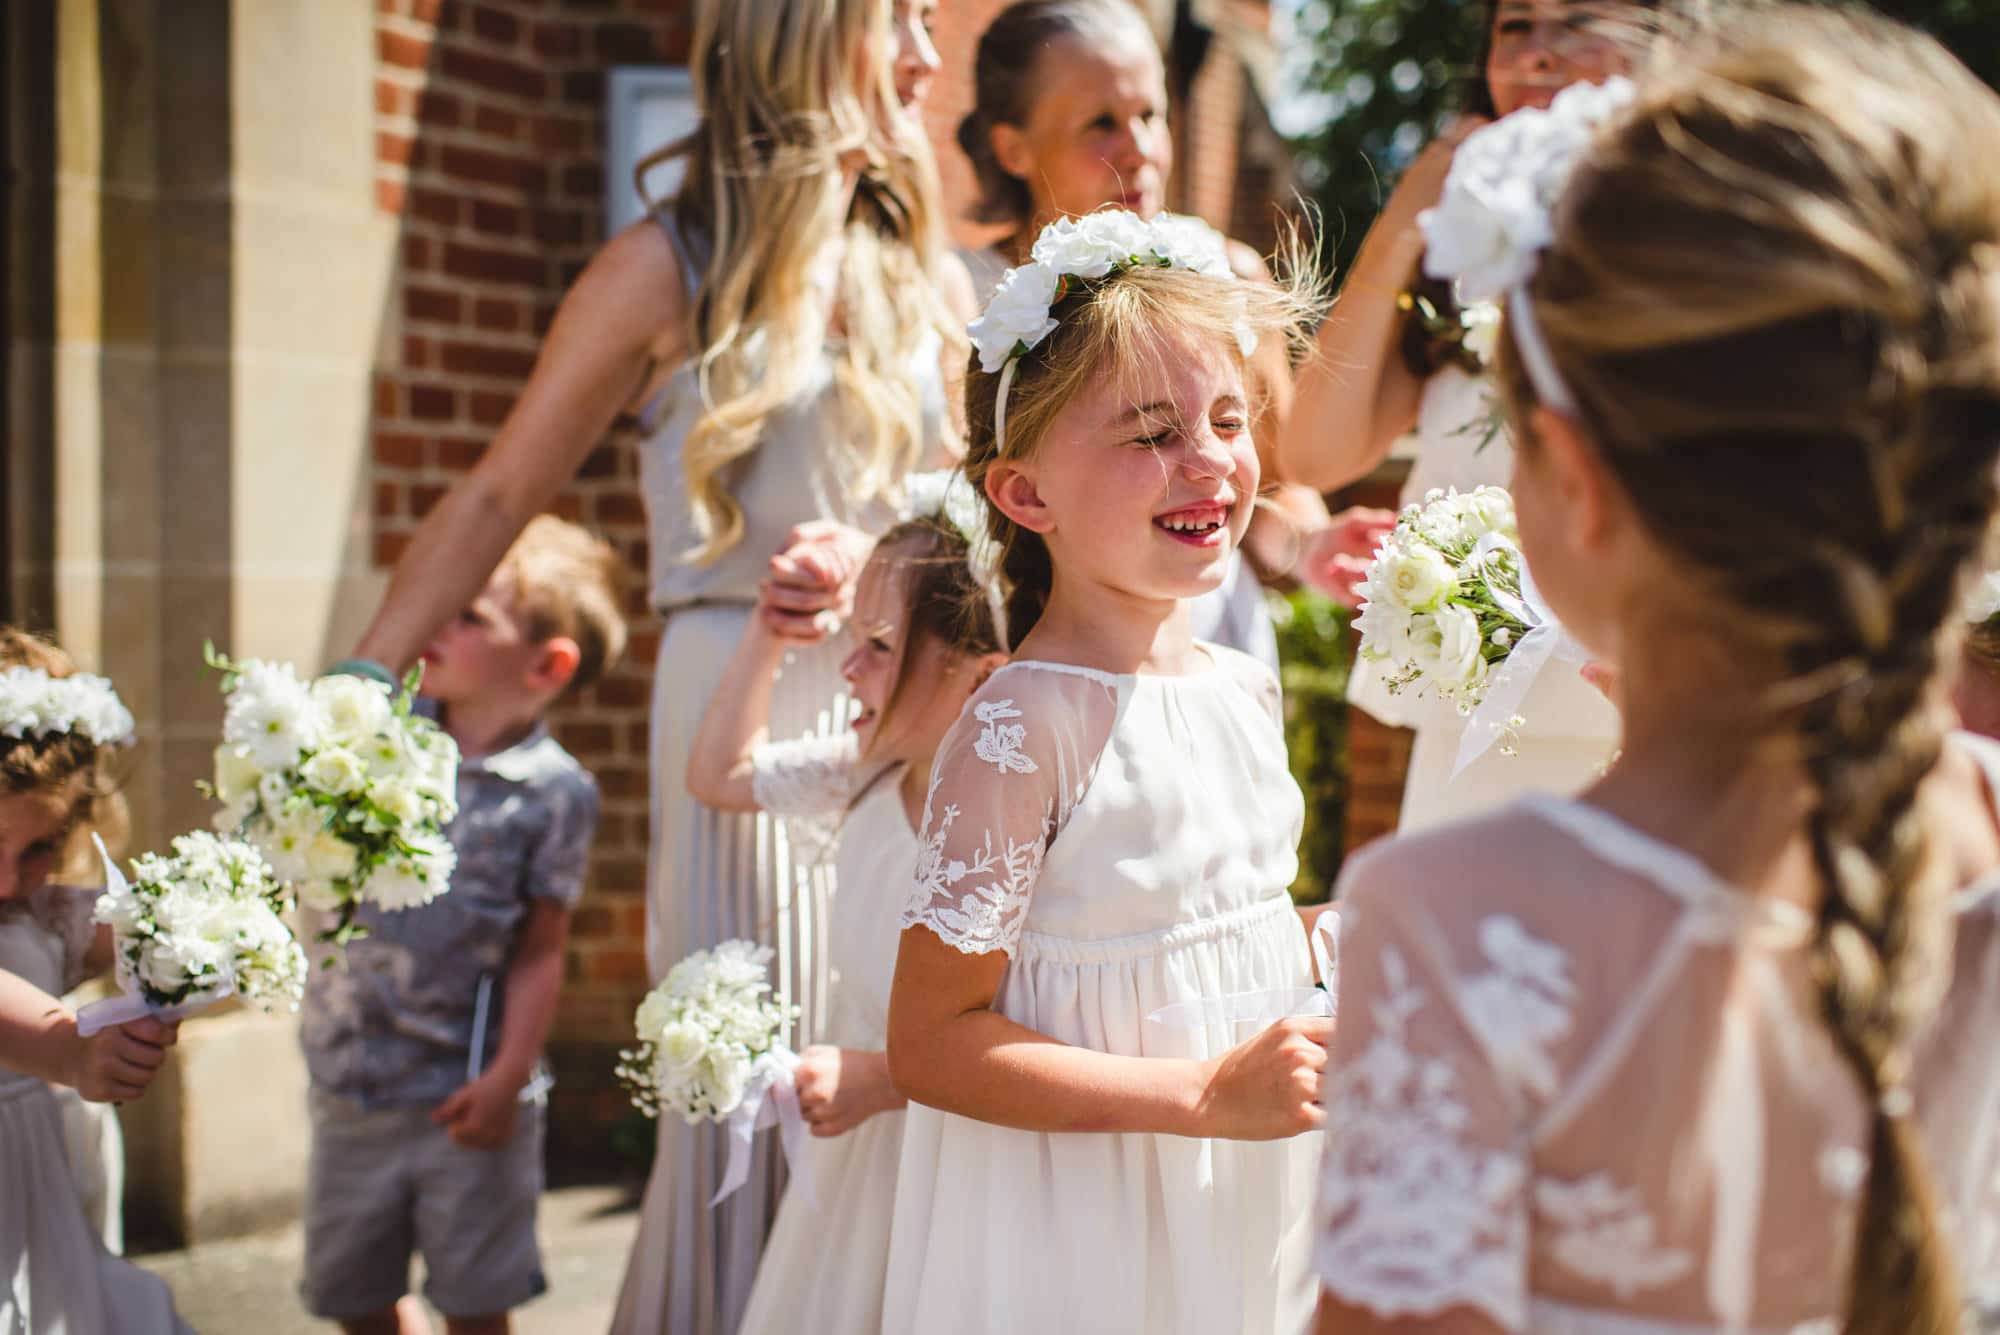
[(1580, 1085)]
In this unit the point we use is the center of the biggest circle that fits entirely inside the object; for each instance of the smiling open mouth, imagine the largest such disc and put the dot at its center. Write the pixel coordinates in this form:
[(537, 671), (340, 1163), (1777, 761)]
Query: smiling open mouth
[(1198, 525)]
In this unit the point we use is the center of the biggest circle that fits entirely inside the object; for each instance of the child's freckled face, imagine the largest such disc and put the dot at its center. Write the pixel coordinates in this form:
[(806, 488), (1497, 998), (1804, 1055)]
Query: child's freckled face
[(1150, 477), (34, 831)]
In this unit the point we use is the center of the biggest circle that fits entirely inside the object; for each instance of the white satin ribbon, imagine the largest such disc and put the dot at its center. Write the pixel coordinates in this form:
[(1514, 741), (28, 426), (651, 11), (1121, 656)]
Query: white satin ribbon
[(1545, 641), (114, 1011), (1536, 359), (1271, 1005), (771, 1097)]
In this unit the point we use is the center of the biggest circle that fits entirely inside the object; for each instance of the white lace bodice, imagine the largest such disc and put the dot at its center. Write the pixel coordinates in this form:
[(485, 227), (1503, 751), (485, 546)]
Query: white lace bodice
[(1154, 773), (1580, 1084)]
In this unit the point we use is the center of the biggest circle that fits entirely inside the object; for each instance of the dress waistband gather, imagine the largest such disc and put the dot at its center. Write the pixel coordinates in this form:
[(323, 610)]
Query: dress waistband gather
[(1112, 950)]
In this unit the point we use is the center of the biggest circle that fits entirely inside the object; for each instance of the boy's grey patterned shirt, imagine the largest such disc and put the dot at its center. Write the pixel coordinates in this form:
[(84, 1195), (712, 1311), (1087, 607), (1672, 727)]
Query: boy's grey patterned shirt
[(392, 1022)]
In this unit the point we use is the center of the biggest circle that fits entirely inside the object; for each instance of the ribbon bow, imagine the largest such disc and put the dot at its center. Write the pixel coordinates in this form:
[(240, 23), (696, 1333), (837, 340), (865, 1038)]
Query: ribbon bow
[(771, 1096), (1545, 640)]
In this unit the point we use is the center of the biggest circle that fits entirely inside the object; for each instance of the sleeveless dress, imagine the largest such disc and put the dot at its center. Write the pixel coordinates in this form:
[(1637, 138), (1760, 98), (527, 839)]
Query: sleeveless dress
[(58, 1178), (1572, 730), (716, 875), (1234, 613), (1127, 841), (836, 806), (1581, 1087)]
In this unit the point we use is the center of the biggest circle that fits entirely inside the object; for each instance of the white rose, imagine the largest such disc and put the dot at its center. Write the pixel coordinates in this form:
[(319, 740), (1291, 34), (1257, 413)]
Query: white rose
[(355, 709), (399, 799), (1460, 662), (1384, 629), (1190, 243), (329, 857), (1425, 647), (1413, 575), (1482, 331), (1091, 246), (689, 977), (681, 1046), (336, 770), (236, 775), (1016, 315), (725, 1073), (653, 1016), (1486, 510)]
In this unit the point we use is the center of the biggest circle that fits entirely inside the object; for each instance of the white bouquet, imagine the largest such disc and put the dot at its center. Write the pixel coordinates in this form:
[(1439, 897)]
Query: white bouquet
[(711, 1049), (1442, 602), (194, 928), (342, 787)]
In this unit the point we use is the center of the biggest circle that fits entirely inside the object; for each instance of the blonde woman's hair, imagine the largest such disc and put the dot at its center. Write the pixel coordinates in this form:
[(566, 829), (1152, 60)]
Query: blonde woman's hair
[(566, 582), (782, 104), (52, 760), (1775, 295), (1115, 327)]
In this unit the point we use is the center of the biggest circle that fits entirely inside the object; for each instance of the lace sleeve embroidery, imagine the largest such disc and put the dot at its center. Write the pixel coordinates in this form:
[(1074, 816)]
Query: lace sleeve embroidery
[(1001, 790), (1423, 1190), (808, 782)]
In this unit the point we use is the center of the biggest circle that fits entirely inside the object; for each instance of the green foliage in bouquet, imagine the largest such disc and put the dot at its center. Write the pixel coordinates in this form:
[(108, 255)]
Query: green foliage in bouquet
[(1316, 652)]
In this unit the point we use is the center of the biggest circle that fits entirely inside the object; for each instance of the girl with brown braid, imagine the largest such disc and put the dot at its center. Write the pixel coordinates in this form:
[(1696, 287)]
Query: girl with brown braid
[(1707, 1048)]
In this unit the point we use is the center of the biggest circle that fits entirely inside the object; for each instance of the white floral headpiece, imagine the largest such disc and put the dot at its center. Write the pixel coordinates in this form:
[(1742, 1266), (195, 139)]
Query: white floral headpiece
[(946, 494), (1984, 603), (1018, 317), (1496, 216), (35, 704)]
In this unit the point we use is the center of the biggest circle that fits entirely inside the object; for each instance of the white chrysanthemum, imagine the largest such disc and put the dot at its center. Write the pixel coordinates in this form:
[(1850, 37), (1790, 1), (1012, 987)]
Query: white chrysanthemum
[(271, 716), (740, 965), (399, 799)]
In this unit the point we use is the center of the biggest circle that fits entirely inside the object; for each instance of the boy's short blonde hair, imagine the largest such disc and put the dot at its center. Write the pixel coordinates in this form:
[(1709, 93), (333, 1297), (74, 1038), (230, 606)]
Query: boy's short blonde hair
[(566, 582)]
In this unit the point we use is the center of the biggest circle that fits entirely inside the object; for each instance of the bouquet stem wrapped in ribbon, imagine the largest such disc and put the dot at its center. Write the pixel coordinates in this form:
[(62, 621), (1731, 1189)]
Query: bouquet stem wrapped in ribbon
[(1450, 607), (194, 929), (339, 784), (711, 1049)]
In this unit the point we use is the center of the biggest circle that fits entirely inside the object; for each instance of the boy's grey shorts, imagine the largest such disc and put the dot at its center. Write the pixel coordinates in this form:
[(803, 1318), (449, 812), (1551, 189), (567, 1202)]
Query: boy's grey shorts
[(385, 1183)]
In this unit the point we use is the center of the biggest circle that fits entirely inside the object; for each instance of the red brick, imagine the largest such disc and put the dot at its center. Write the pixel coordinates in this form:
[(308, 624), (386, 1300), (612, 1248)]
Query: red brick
[(625, 44), (593, 920), (496, 314), (434, 206), (388, 500), (440, 110), (416, 252), (493, 72), (557, 41), (585, 180), (394, 449), (389, 548), (389, 196), (495, 25), (488, 360), (619, 507), (393, 99), (620, 873), (497, 169), (617, 964), (427, 11), (387, 400), (459, 455), (496, 219), (586, 737), (560, 134), (433, 403), (643, 647), (430, 303), (584, 88), (423, 497), (393, 148), (489, 119), (624, 692), (489, 409), (395, 48), (559, 227), (416, 352), (494, 266)]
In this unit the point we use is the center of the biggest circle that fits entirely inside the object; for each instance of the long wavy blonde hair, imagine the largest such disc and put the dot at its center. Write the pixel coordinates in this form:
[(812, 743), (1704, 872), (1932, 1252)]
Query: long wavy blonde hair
[(789, 91)]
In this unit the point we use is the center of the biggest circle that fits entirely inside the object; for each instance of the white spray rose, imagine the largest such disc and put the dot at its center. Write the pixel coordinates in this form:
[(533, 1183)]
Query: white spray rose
[(1460, 662), (398, 798), (1016, 315), (681, 1045), (355, 709), (335, 770), (725, 1073), (329, 857), (1414, 576)]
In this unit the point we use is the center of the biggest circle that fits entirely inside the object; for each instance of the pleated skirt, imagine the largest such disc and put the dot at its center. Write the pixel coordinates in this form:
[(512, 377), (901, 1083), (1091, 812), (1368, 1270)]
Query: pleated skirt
[(714, 876)]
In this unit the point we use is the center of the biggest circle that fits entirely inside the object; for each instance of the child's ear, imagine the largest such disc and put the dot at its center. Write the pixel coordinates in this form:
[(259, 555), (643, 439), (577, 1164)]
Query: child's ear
[(1587, 491), (985, 666), (1011, 151), (1011, 488), (555, 664)]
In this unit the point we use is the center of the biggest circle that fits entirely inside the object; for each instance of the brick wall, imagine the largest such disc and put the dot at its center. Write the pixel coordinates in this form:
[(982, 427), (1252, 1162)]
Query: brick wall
[(489, 134)]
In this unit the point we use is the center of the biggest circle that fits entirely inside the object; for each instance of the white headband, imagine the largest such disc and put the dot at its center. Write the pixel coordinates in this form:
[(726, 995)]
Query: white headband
[(35, 704), (946, 494), (1496, 216), (1017, 317)]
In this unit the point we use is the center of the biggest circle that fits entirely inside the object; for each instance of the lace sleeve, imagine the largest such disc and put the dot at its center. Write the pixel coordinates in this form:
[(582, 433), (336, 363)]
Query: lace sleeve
[(808, 783), (1002, 787), (65, 912), (1425, 1185)]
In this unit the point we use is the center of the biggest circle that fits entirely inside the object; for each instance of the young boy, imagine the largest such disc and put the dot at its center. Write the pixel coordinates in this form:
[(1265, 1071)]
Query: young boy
[(424, 1043)]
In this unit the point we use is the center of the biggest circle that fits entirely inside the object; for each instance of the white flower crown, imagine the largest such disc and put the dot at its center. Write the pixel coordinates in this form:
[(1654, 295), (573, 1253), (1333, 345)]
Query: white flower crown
[(1018, 316), (1496, 216), (35, 704), (1984, 603)]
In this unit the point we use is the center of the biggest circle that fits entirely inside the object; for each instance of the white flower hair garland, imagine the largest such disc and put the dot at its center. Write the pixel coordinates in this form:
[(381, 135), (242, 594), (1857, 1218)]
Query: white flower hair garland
[(1488, 231), (35, 704), (1095, 246), (947, 495)]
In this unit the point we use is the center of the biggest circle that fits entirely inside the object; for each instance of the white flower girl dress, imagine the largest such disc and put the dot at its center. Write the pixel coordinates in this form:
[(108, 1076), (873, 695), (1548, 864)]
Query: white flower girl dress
[(1128, 841)]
